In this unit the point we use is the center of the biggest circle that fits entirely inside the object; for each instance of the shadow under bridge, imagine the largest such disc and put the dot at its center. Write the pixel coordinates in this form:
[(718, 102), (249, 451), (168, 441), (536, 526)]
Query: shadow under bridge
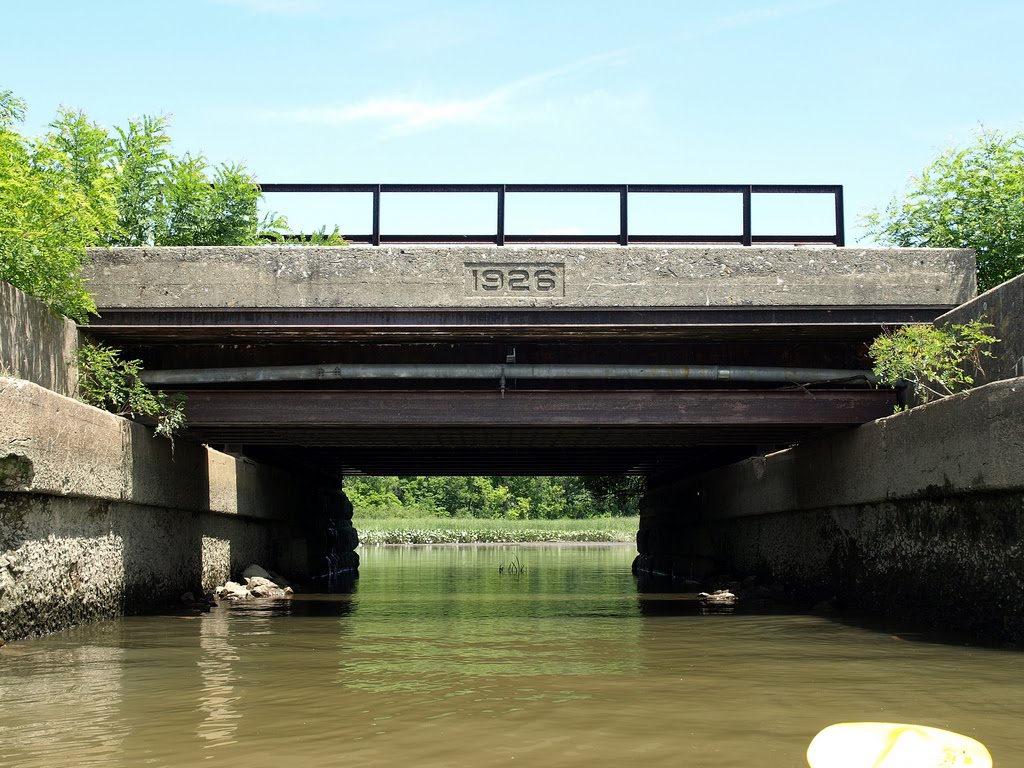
[(660, 392)]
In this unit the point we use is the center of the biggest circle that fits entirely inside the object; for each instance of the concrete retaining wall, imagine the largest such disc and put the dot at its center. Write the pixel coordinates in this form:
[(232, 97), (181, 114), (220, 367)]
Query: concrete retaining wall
[(555, 276), (955, 563), (1003, 306), (66, 560), (50, 444), (967, 444), (99, 517), (919, 515), (35, 344)]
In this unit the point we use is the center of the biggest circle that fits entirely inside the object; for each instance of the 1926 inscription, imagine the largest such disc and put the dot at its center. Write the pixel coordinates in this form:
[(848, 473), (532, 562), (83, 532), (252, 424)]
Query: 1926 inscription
[(494, 279)]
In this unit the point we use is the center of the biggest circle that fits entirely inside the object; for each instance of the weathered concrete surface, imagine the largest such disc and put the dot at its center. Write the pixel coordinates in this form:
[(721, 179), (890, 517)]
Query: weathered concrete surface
[(953, 562), (65, 561), (919, 515), (576, 276), (35, 344), (98, 517), (970, 443), (1003, 306), (50, 444)]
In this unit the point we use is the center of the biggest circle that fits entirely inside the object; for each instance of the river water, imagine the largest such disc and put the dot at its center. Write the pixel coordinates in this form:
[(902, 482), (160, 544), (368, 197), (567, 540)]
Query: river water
[(438, 658)]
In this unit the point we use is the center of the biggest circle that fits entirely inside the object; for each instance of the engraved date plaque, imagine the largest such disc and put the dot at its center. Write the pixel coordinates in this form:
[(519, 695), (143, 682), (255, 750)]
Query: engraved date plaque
[(493, 279)]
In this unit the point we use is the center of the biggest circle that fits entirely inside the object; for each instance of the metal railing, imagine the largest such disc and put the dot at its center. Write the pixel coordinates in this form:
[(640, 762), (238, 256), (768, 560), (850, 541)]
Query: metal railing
[(623, 237)]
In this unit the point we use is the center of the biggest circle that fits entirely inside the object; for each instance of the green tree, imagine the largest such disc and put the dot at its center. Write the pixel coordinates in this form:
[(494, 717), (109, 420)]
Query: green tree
[(374, 495), (46, 217), (966, 198), (515, 497), (192, 211), (141, 162), (80, 185), (86, 152)]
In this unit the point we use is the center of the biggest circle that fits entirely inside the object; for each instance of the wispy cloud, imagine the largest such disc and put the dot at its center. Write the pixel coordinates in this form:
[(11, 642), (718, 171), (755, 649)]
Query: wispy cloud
[(401, 114), (753, 16), (280, 7), (409, 115)]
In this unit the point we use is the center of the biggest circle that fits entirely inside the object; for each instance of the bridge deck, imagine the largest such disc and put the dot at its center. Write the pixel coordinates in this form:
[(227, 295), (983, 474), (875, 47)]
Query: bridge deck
[(241, 307)]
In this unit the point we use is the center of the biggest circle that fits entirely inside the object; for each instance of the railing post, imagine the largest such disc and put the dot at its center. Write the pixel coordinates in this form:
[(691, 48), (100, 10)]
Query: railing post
[(500, 238), (624, 215), (375, 237), (748, 234), (840, 224)]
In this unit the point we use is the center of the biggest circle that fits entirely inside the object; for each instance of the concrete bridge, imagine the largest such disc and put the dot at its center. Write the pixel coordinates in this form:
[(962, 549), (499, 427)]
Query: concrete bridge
[(477, 359), (699, 366)]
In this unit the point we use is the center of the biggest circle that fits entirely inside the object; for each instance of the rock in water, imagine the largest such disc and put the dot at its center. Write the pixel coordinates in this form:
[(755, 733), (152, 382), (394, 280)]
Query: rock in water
[(258, 581), (255, 570), (233, 591), (718, 597), (268, 590)]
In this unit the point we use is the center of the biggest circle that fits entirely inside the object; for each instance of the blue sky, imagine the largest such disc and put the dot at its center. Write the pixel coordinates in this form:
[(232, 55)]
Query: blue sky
[(855, 92)]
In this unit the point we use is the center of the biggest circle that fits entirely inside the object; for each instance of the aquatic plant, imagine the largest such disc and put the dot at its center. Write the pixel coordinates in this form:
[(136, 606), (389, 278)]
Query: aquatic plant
[(514, 568)]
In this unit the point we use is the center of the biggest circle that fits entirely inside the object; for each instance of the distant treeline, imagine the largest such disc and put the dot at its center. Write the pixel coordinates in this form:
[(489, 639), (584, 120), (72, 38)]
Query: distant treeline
[(517, 498)]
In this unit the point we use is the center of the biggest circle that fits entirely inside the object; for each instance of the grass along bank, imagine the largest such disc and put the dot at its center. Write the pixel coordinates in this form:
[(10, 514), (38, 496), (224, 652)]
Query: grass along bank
[(474, 530)]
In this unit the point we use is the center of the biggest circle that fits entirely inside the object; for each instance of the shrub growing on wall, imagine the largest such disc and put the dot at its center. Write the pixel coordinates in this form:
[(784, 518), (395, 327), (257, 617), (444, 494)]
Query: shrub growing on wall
[(114, 384), (935, 362)]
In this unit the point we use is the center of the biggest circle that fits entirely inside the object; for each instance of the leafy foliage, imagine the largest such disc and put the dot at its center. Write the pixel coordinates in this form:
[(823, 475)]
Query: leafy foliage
[(484, 530), (86, 151), (191, 211), (81, 185), (509, 498), (109, 382), (323, 237), (935, 361), (46, 217), (274, 228), (966, 198), (141, 160)]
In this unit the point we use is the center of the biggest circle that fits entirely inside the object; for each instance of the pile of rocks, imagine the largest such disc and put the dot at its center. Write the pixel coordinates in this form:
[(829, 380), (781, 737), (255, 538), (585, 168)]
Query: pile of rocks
[(259, 582)]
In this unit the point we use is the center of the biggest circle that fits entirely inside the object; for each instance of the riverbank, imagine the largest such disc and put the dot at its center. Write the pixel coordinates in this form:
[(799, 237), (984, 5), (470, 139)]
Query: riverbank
[(471, 530)]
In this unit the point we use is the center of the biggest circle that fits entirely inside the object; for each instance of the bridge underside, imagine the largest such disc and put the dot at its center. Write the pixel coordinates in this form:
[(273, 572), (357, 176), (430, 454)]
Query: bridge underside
[(410, 426), (559, 307)]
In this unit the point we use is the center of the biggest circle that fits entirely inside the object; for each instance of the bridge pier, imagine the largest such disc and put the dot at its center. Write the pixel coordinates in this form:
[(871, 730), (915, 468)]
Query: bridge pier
[(331, 539)]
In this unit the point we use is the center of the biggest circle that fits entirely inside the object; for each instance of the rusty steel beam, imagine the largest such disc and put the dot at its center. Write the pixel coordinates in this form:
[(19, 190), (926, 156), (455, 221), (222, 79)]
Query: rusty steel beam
[(277, 409), (433, 440), (158, 326)]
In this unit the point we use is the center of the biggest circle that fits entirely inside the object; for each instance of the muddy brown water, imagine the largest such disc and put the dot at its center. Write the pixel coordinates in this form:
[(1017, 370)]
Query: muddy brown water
[(439, 659)]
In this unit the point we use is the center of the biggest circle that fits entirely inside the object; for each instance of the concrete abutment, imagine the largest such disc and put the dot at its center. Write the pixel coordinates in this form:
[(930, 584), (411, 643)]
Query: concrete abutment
[(917, 516), (99, 518)]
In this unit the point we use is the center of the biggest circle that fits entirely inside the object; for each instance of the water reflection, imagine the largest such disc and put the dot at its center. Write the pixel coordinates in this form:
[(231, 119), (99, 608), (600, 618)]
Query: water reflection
[(218, 700), (440, 659), (78, 709)]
